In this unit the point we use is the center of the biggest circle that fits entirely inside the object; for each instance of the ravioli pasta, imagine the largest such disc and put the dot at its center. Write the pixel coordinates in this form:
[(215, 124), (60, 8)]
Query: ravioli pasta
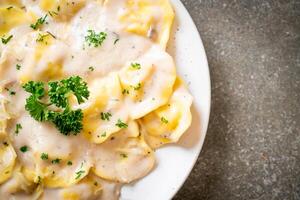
[(135, 103)]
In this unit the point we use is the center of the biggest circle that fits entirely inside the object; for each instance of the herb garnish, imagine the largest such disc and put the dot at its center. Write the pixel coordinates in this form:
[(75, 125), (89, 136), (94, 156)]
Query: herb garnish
[(18, 128), (95, 39), (23, 149), (66, 121), (135, 66), (105, 116), (123, 155), (137, 87), (121, 124), (10, 7), (44, 156), (116, 40), (18, 67), (39, 22), (6, 40), (69, 163), (125, 91), (41, 37), (164, 120), (80, 172), (56, 161), (91, 68)]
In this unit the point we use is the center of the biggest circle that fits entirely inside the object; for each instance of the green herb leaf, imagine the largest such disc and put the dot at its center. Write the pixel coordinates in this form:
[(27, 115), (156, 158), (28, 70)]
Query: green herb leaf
[(91, 68), (36, 109), (44, 156), (18, 128), (58, 94), (69, 121), (123, 155), (35, 88), (137, 87), (69, 163), (105, 116), (18, 67), (39, 22), (125, 91), (135, 66), (6, 40), (95, 39), (78, 87), (164, 120), (23, 149), (56, 161), (41, 37), (121, 124), (79, 173), (66, 121)]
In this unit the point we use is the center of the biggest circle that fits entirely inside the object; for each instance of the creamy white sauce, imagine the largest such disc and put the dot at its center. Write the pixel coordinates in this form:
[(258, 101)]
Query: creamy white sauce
[(123, 155)]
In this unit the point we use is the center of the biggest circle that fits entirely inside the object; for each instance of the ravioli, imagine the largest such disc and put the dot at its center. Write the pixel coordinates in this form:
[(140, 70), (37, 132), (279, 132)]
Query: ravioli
[(133, 156), (169, 122), (129, 97), (148, 18)]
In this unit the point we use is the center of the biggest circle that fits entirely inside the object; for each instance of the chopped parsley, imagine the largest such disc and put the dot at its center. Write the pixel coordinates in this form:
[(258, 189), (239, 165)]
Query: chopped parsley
[(103, 134), (66, 120), (39, 22), (116, 40), (56, 161), (121, 124), (164, 120), (125, 91), (11, 92), (91, 68), (10, 7), (5, 144), (137, 87), (44, 156), (18, 67), (123, 155), (6, 40), (95, 183), (41, 37), (18, 128), (105, 116), (23, 149), (135, 66), (52, 13), (79, 173), (69, 163), (95, 39)]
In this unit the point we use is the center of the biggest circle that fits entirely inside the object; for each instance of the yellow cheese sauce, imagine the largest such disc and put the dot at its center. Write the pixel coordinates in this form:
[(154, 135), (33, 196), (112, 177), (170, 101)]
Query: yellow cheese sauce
[(131, 79)]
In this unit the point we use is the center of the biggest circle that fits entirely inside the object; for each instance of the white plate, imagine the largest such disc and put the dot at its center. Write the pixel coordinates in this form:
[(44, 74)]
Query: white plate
[(175, 162)]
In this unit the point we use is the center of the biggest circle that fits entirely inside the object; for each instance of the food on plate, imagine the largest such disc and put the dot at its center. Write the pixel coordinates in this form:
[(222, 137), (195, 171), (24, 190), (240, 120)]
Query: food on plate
[(87, 94)]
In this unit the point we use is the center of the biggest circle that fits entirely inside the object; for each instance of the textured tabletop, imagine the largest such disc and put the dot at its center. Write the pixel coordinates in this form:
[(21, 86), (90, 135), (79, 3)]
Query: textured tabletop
[(252, 147)]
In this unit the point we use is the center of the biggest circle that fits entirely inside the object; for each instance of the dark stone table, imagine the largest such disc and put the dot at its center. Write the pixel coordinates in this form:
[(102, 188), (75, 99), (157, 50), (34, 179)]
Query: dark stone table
[(252, 148)]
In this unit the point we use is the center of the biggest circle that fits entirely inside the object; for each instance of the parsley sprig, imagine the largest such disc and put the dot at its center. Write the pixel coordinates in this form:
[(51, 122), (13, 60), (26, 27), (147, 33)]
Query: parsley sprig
[(95, 39), (65, 119)]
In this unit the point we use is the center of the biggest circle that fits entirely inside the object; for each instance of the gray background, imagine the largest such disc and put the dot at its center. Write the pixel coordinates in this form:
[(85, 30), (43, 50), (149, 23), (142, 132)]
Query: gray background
[(252, 146)]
